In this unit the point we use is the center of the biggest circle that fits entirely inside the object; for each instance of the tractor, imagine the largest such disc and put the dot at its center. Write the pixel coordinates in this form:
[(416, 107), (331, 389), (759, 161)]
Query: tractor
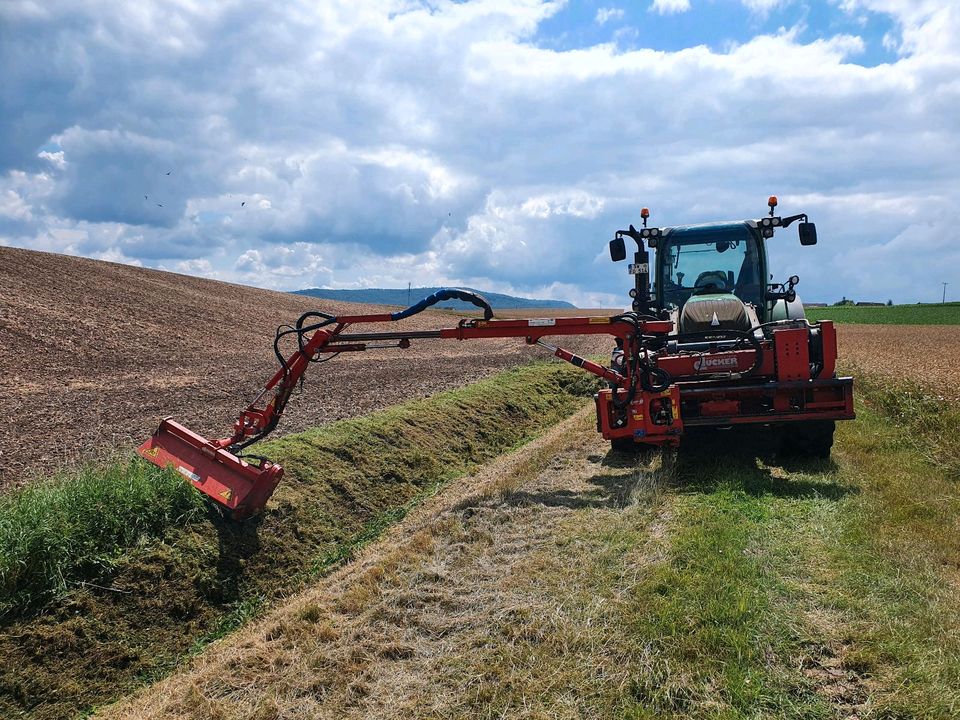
[(740, 350), (712, 345)]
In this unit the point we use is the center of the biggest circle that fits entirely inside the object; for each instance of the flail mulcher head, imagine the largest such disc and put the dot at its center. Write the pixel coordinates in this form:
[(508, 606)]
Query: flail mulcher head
[(240, 487)]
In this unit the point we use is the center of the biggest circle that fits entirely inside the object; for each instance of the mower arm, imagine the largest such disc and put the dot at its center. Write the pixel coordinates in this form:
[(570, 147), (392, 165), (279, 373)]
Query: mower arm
[(242, 485)]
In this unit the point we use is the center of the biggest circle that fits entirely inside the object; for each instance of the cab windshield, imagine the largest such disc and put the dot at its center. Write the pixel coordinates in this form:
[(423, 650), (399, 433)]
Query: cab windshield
[(701, 263)]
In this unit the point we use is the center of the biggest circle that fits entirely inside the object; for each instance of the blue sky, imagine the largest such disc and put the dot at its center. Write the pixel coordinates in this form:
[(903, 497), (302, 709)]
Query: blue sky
[(494, 143), (716, 24)]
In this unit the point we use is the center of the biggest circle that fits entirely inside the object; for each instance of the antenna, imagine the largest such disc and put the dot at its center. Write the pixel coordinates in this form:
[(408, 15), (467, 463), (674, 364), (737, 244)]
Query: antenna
[(408, 294)]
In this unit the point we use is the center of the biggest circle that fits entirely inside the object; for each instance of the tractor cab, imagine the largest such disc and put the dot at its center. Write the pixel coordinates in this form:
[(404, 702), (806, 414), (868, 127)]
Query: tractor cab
[(712, 276)]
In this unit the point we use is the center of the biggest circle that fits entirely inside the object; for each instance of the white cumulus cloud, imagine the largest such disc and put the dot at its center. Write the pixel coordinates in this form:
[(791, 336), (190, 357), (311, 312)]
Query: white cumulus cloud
[(670, 7)]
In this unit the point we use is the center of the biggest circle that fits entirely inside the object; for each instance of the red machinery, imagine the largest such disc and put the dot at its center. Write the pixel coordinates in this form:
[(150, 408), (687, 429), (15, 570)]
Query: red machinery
[(778, 373)]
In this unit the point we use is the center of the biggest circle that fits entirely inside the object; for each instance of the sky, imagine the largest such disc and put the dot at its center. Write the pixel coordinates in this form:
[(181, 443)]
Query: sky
[(495, 144)]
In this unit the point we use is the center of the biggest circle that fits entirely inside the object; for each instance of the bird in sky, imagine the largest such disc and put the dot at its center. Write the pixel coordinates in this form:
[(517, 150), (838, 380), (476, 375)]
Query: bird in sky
[(169, 172), (144, 197), (159, 205), (243, 203)]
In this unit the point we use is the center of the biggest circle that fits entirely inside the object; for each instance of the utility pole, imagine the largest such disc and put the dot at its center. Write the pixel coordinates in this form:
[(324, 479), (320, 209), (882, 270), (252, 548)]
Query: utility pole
[(944, 300), (408, 294)]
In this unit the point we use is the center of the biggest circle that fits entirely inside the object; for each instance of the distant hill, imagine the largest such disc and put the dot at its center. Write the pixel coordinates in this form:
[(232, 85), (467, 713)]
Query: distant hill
[(401, 297)]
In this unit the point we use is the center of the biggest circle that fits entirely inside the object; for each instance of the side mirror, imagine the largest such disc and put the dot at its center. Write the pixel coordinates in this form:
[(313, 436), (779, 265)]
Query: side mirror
[(808, 233), (617, 249)]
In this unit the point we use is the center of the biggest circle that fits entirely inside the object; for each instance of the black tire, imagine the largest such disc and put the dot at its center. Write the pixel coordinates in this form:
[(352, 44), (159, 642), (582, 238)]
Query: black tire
[(813, 438)]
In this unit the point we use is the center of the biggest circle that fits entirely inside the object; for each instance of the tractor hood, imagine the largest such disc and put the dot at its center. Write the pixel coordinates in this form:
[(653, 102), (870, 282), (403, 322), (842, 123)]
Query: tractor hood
[(713, 311)]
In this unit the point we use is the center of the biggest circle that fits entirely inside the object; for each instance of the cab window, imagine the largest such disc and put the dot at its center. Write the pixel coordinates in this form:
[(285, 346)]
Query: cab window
[(701, 264)]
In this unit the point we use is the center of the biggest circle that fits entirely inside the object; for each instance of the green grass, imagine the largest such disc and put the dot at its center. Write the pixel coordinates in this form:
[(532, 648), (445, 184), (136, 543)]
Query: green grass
[(717, 622), (948, 314), (893, 559), (778, 589), (930, 424), (132, 578), (814, 589), (59, 534)]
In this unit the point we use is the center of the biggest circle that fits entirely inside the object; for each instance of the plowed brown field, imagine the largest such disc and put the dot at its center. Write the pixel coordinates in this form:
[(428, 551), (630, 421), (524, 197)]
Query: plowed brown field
[(93, 354)]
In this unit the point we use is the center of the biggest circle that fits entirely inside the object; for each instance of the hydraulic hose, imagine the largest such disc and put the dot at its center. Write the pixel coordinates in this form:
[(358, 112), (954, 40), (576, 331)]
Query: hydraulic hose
[(301, 329), (446, 294)]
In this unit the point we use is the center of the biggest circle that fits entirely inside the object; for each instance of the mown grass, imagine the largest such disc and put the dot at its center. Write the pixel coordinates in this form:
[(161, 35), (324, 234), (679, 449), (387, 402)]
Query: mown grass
[(778, 588), (948, 314), (151, 597), (896, 554), (58, 534), (710, 621), (812, 590)]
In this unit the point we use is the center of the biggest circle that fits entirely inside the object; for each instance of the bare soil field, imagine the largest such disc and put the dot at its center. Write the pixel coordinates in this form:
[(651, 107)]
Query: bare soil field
[(924, 354), (93, 354)]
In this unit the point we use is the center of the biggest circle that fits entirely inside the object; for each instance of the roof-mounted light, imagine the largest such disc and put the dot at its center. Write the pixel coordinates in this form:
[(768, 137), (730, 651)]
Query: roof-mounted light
[(772, 203)]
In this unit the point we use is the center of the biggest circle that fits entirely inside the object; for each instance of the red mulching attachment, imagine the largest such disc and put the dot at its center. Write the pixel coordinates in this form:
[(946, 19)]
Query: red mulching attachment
[(234, 484)]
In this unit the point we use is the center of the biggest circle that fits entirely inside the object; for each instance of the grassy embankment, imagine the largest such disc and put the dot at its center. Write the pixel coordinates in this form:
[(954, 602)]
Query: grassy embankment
[(769, 588), (948, 314), (110, 579)]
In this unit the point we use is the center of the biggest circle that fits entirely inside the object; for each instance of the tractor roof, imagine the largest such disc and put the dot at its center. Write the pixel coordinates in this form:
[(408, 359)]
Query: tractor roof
[(738, 229)]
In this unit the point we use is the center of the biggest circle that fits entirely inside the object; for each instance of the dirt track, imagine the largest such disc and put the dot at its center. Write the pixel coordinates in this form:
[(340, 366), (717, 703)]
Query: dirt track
[(92, 354)]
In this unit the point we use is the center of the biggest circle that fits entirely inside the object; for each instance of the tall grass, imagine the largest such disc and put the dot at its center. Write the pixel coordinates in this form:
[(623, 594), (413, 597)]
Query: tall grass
[(930, 424), (61, 533)]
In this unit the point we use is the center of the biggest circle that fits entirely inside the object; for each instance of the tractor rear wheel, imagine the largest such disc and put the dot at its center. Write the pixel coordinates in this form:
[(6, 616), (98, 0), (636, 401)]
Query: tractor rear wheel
[(812, 438)]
